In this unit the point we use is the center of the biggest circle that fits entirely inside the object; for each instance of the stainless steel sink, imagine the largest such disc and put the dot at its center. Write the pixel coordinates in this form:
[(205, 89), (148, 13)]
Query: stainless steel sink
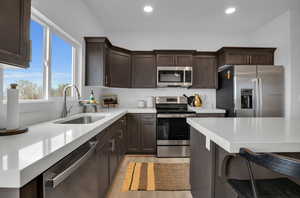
[(81, 120)]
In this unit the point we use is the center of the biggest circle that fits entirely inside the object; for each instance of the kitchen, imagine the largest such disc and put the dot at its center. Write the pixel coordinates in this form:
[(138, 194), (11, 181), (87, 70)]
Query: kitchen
[(126, 51)]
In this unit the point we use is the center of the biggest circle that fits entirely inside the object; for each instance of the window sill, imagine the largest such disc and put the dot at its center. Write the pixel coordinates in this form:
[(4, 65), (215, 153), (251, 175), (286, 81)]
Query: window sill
[(32, 101)]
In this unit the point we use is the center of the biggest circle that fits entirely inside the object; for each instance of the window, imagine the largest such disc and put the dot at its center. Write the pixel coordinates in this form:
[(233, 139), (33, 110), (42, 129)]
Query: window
[(61, 65), (30, 80), (51, 68)]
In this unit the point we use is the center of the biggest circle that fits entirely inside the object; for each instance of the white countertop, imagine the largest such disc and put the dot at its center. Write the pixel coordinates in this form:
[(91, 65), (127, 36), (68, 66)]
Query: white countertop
[(206, 110), (25, 156), (257, 134)]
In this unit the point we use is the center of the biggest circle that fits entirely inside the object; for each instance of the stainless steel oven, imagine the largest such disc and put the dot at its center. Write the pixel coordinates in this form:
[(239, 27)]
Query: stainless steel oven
[(173, 132), (174, 76)]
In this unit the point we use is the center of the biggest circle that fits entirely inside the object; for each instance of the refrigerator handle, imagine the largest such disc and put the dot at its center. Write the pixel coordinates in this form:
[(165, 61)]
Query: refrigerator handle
[(256, 97), (260, 96)]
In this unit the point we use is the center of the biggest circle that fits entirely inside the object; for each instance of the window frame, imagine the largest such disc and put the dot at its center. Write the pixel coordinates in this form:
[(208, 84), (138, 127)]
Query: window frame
[(51, 28)]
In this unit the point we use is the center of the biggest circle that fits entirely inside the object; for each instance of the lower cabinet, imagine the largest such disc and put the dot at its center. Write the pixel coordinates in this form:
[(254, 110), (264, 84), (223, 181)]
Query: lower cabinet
[(111, 151), (103, 166), (141, 133), (201, 166), (112, 144)]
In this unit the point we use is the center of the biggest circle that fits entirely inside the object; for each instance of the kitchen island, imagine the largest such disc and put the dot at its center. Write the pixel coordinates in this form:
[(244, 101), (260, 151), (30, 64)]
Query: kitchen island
[(215, 144)]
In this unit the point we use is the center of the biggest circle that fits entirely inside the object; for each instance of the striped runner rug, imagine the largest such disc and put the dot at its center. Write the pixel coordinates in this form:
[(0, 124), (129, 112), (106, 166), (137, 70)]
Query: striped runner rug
[(156, 177)]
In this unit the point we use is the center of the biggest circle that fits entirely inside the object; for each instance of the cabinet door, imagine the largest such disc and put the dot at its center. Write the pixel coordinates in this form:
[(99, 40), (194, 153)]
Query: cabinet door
[(261, 58), (113, 158), (184, 60), (202, 166), (95, 64), (103, 165), (237, 58), (133, 134), (204, 72), (14, 34), (120, 139), (143, 71), (165, 60), (148, 133), (119, 69)]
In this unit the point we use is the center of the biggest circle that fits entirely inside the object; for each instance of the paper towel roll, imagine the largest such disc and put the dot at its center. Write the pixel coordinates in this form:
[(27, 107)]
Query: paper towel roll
[(13, 117)]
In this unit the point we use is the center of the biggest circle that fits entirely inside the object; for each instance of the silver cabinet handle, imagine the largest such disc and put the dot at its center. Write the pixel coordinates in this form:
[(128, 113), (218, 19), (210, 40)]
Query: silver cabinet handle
[(112, 141), (59, 178), (166, 115), (121, 134), (260, 96), (256, 96)]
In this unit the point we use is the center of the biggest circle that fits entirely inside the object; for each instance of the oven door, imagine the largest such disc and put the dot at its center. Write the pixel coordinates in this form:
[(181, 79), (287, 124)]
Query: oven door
[(172, 131)]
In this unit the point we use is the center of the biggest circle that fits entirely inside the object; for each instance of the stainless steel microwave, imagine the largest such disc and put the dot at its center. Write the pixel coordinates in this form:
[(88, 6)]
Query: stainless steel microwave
[(174, 76)]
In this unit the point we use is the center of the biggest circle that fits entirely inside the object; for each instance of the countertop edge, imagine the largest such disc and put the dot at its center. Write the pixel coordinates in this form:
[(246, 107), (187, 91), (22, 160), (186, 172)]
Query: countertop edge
[(38, 167)]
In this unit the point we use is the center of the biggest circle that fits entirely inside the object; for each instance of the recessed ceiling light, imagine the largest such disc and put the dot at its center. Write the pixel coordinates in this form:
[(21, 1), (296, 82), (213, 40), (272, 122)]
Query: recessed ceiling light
[(148, 9), (230, 10)]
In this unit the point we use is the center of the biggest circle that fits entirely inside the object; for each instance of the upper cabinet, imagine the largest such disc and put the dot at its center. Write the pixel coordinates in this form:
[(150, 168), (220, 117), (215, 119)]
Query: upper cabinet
[(106, 65), (111, 66), (119, 68), (174, 58), (14, 34), (205, 70), (96, 54), (246, 56), (143, 70)]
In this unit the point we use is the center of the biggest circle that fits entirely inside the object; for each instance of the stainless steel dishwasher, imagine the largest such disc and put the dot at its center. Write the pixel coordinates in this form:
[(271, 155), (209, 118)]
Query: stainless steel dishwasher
[(75, 176)]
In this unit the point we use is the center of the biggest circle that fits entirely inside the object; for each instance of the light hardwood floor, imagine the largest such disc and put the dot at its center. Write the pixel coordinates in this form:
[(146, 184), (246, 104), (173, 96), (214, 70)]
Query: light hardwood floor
[(115, 189)]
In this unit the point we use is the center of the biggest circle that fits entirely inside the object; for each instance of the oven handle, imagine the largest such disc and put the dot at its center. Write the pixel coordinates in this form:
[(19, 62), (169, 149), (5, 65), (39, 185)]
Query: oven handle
[(54, 182), (165, 115)]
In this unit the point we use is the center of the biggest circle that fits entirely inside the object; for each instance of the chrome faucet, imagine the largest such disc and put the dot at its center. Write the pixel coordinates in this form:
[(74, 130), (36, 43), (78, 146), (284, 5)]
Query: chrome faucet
[(66, 111)]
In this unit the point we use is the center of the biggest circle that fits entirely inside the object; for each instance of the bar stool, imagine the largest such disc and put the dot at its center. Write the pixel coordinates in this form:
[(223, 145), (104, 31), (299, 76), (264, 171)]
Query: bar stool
[(268, 188)]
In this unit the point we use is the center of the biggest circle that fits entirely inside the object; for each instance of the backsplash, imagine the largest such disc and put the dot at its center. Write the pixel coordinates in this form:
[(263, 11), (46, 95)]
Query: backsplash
[(130, 97)]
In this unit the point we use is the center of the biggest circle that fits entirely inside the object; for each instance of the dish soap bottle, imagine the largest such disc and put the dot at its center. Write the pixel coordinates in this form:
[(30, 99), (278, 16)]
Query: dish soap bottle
[(197, 101), (92, 98)]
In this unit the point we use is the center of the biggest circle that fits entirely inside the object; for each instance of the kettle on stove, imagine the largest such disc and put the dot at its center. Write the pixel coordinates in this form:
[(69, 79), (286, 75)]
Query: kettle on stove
[(197, 101)]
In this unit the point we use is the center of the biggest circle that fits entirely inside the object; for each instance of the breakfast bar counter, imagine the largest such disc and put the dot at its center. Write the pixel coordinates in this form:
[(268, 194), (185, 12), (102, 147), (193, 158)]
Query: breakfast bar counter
[(215, 144)]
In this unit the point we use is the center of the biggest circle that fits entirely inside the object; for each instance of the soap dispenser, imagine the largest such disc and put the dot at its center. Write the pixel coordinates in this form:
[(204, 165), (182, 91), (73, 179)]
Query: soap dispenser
[(92, 98)]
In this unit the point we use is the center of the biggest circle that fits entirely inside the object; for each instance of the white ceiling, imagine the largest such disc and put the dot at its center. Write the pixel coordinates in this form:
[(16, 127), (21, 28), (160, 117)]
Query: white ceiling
[(185, 15)]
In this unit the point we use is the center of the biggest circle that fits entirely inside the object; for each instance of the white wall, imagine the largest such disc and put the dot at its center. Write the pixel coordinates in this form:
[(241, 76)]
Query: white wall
[(295, 58), (130, 97), (72, 15), (276, 33), (176, 40)]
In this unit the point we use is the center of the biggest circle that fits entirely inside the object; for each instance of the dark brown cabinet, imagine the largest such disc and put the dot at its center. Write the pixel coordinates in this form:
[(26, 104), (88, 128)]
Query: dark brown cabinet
[(14, 34), (133, 133), (141, 133), (111, 66), (205, 71), (143, 71), (201, 166), (169, 58), (246, 56), (148, 133), (119, 69), (96, 52), (103, 150)]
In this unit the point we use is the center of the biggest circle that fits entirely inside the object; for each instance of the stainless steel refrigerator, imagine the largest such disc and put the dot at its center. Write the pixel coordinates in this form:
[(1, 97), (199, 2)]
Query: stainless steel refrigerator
[(251, 91)]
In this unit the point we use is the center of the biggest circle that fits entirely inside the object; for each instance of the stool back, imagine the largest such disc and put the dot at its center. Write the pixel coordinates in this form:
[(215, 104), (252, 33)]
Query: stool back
[(277, 163)]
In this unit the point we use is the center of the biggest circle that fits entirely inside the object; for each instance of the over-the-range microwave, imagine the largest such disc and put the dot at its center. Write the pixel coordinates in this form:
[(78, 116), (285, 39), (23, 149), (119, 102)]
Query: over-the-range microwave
[(174, 76)]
